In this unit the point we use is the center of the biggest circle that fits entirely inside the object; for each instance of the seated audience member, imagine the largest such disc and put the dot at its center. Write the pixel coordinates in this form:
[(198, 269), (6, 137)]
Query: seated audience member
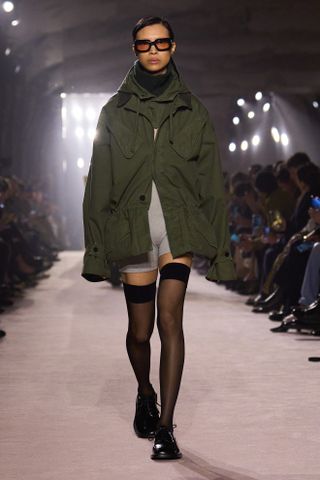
[(273, 197), (297, 160), (29, 243), (286, 183), (253, 171), (308, 182)]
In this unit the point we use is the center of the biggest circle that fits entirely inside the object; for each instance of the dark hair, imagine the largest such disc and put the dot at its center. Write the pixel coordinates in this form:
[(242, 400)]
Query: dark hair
[(283, 175), (310, 175), (239, 177), (266, 182), (298, 159), (242, 188), (255, 168), (145, 21)]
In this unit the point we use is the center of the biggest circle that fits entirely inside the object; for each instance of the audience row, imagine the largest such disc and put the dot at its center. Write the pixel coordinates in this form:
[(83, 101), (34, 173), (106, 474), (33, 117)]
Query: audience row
[(31, 234), (274, 214)]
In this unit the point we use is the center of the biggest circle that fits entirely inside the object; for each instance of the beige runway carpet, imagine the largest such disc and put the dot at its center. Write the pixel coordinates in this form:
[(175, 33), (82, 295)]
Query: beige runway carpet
[(249, 402)]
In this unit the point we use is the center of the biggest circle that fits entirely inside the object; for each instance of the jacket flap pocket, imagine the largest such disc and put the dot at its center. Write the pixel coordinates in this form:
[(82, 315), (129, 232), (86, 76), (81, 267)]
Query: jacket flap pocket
[(124, 137), (186, 142)]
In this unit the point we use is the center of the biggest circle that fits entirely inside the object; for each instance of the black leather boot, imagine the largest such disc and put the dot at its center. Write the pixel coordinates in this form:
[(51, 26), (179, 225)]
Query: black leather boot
[(165, 446), (146, 416), (310, 312), (274, 300), (291, 322), (280, 314)]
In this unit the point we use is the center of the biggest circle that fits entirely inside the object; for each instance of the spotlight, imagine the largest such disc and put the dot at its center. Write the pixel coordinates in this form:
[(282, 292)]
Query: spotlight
[(232, 147), (80, 163), (255, 140), (275, 134), (236, 120), (315, 104), (284, 139), (79, 132), (91, 133), (90, 114), (244, 145), (7, 51), (17, 69), (14, 23), (7, 6), (258, 96), (251, 114), (240, 102), (266, 107), (63, 95), (77, 112), (64, 113)]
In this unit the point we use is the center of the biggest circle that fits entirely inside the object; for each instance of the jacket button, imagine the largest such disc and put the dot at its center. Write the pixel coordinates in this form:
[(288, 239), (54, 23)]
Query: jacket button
[(142, 197), (95, 249), (227, 254)]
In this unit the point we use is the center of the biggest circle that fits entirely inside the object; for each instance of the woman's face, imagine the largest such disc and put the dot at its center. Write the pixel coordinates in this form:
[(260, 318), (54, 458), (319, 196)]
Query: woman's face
[(154, 61)]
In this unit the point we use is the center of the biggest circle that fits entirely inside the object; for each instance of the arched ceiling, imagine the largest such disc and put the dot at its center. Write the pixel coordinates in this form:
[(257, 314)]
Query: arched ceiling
[(223, 47)]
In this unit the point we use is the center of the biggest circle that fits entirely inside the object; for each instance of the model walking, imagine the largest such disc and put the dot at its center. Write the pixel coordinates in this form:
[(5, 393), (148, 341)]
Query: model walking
[(153, 197)]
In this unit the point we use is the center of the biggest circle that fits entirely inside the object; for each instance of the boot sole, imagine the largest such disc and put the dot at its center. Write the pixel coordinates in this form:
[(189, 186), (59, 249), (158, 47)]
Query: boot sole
[(165, 456)]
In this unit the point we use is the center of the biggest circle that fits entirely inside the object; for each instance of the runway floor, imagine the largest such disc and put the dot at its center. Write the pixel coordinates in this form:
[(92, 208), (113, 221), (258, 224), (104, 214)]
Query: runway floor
[(249, 402)]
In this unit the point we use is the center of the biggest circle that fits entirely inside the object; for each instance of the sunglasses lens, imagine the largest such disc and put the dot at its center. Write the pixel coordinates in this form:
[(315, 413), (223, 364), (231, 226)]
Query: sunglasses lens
[(142, 46), (163, 43)]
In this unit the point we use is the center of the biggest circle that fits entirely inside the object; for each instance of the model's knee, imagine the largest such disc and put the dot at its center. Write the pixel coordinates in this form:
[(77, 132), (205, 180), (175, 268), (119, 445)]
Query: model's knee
[(138, 337), (168, 323)]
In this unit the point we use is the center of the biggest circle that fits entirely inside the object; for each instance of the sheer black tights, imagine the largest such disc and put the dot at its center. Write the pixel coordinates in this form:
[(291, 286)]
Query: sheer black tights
[(170, 300), (141, 324)]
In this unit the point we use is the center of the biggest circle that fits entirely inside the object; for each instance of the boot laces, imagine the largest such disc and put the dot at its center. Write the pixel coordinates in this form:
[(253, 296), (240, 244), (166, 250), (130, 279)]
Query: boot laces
[(151, 438)]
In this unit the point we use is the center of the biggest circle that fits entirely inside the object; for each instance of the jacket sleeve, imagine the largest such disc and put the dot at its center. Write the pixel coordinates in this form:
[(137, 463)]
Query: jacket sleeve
[(95, 205), (213, 204)]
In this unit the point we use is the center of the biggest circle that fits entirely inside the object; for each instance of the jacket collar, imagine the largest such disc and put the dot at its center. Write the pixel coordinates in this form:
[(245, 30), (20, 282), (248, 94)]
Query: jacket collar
[(130, 92), (130, 100)]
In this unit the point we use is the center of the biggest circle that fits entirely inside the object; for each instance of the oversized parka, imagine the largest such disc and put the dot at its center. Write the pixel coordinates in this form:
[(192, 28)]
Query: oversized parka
[(182, 160)]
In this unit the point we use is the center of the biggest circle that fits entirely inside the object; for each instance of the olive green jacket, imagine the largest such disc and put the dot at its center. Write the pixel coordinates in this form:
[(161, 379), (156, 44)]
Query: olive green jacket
[(182, 160)]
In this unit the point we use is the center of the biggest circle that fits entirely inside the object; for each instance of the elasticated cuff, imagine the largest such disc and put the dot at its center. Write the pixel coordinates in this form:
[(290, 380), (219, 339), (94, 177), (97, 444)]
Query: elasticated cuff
[(95, 267)]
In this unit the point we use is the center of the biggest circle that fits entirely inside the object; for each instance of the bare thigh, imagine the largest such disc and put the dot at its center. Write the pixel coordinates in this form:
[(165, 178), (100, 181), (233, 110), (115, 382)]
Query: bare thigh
[(145, 278), (168, 258), (139, 278)]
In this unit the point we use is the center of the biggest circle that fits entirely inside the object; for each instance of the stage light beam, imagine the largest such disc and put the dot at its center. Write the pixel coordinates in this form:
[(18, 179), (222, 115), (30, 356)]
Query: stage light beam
[(244, 145), (275, 134), (266, 107), (255, 140), (8, 6)]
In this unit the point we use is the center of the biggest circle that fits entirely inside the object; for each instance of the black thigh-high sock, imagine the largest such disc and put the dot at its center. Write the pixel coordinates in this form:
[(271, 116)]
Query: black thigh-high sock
[(140, 302), (170, 301)]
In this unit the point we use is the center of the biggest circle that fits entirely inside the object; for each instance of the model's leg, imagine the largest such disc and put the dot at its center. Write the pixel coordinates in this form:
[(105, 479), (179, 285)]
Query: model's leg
[(174, 274), (140, 290)]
